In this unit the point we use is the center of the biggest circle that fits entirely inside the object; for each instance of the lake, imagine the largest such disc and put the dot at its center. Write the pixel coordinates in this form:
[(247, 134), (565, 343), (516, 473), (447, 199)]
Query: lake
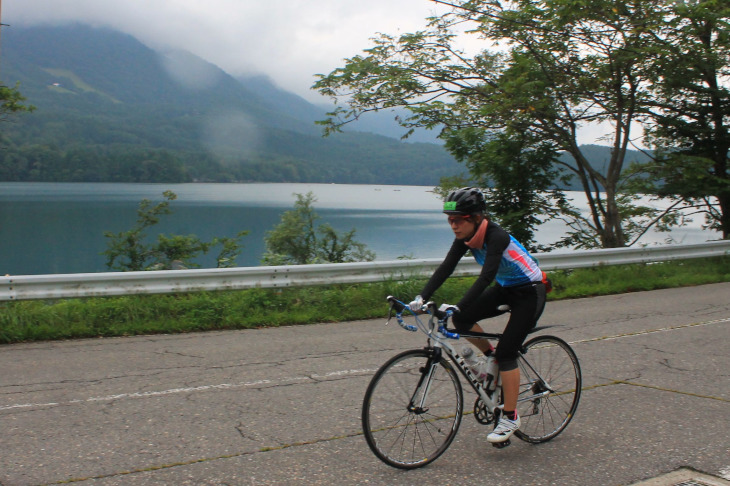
[(49, 228)]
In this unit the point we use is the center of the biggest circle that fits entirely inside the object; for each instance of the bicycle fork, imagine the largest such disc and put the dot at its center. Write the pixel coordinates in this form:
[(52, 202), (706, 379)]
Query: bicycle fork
[(417, 404)]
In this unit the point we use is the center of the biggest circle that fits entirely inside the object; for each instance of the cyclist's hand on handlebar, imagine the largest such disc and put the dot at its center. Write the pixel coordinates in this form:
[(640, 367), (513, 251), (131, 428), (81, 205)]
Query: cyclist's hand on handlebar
[(448, 307), (416, 304)]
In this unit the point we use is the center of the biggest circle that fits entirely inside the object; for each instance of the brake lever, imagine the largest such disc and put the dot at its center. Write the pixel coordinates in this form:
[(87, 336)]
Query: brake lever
[(390, 314)]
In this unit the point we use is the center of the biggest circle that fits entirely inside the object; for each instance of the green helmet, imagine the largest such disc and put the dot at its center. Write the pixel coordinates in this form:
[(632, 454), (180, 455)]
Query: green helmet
[(467, 200)]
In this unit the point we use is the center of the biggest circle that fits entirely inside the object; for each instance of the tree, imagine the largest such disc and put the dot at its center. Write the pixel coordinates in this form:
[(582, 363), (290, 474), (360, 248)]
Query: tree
[(297, 240), (566, 65), (518, 170), (129, 251), (11, 101), (690, 110)]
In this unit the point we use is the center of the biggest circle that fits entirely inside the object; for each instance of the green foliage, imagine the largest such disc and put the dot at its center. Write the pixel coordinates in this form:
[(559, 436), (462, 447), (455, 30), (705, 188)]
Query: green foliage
[(448, 184), (521, 174), (690, 182), (11, 101), (230, 249), (129, 250), (177, 251), (53, 149), (201, 311), (297, 240), (690, 108), (334, 247), (293, 240), (568, 64)]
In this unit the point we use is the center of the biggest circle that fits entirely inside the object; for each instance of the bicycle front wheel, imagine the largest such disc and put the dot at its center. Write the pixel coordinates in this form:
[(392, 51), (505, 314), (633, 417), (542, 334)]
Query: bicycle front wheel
[(412, 409), (550, 385)]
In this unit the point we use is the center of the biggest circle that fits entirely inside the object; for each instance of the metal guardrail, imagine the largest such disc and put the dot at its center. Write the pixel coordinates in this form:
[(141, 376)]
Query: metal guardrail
[(28, 287)]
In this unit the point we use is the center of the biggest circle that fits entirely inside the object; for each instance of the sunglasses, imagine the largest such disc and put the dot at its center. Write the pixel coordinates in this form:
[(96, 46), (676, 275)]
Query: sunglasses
[(457, 220)]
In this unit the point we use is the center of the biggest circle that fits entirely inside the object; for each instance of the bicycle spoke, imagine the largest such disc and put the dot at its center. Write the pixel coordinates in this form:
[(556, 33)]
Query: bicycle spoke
[(550, 389), (409, 419)]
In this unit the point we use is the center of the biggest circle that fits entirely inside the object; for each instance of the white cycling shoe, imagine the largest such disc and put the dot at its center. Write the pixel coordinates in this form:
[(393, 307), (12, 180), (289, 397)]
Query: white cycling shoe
[(504, 430)]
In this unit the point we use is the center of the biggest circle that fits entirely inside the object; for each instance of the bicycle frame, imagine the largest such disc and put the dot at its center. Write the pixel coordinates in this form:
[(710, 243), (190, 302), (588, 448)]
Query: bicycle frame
[(438, 336)]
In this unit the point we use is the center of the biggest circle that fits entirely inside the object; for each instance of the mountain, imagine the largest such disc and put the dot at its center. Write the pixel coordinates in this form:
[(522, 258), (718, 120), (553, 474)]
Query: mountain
[(378, 123), (111, 109)]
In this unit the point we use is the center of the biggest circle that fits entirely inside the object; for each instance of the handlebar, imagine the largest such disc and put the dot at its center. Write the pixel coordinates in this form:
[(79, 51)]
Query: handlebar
[(399, 307), (428, 308)]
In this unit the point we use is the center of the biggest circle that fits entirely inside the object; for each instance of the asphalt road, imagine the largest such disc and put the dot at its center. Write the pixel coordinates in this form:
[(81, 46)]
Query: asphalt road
[(282, 406)]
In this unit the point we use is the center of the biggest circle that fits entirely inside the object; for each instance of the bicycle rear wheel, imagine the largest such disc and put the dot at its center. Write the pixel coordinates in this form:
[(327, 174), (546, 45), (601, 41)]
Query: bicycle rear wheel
[(412, 409), (550, 385)]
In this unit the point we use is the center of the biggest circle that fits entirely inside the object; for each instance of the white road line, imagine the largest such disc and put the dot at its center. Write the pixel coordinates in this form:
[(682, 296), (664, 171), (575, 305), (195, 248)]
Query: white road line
[(173, 391), (290, 380)]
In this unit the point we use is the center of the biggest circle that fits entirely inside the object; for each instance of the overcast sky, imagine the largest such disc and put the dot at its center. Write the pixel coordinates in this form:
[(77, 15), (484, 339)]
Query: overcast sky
[(290, 40)]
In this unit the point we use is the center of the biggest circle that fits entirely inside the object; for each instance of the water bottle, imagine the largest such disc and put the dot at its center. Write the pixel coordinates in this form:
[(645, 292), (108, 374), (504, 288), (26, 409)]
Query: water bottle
[(492, 373), (476, 365)]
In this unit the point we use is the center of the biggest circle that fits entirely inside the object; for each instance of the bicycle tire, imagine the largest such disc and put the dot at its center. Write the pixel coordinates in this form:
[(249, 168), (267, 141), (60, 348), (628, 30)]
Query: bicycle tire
[(543, 418), (404, 436)]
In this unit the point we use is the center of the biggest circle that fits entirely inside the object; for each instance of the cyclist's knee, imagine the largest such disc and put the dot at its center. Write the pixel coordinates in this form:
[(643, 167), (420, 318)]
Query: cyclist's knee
[(506, 356), (506, 364)]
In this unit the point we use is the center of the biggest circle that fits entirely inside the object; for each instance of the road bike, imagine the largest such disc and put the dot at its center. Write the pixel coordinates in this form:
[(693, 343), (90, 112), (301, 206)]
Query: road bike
[(414, 403)]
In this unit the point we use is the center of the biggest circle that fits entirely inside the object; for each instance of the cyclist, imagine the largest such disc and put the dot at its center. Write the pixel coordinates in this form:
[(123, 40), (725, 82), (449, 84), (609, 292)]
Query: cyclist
[(519, 284)]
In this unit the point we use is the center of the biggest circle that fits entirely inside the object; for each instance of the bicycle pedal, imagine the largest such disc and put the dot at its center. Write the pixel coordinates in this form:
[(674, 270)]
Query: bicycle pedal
[(501, 445)]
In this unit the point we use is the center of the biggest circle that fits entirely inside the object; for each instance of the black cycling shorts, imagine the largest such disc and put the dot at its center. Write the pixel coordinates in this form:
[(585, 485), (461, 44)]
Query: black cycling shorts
[(526, 305)]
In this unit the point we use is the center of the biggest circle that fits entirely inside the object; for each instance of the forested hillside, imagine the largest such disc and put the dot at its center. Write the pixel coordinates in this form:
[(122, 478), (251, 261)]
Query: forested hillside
[(110, 109)]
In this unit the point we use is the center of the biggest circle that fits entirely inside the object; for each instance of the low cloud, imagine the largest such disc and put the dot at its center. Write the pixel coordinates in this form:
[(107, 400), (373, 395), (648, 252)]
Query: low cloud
[(231, 133), (289, 40)]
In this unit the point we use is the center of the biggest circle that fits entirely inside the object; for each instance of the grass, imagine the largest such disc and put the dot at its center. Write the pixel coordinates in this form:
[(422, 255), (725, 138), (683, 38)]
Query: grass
[(25, 321), (78, 83)]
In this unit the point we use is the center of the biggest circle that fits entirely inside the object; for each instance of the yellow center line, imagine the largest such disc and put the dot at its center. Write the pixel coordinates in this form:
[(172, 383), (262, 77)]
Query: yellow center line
[(650, 331)]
